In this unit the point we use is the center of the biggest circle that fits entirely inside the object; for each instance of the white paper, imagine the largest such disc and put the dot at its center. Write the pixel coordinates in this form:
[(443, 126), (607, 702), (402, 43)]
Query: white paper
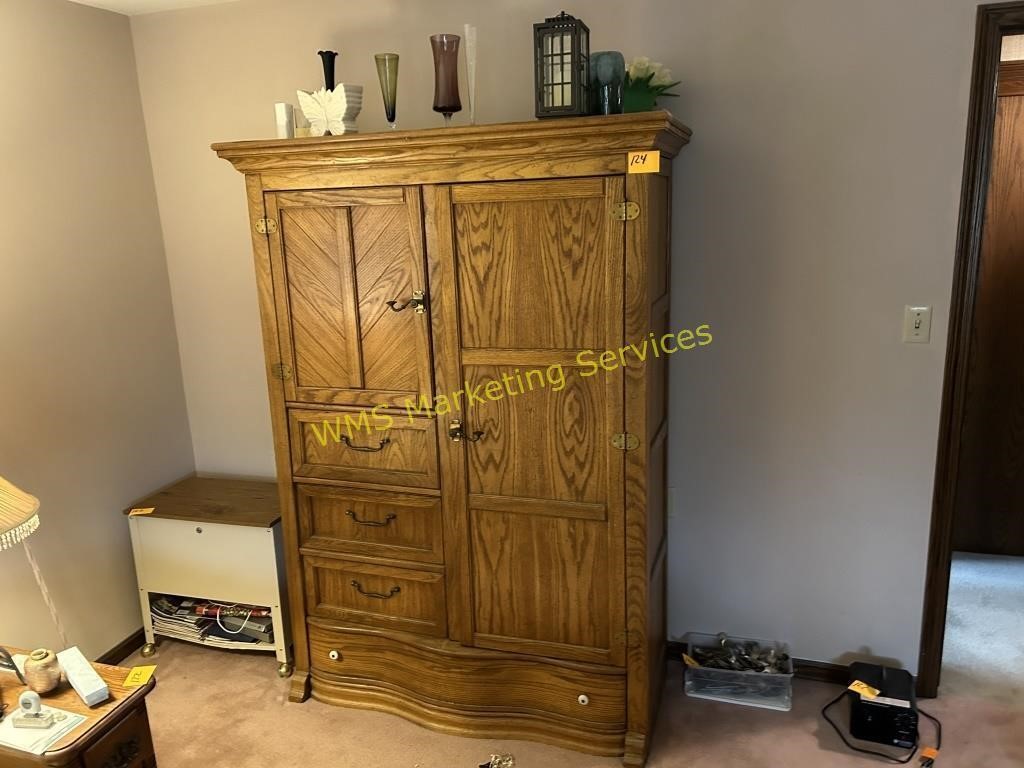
[(38, 740)]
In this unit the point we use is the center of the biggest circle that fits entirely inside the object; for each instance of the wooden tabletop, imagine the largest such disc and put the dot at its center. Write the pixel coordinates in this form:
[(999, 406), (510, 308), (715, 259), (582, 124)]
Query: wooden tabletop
[(216, 500), (65, 698)]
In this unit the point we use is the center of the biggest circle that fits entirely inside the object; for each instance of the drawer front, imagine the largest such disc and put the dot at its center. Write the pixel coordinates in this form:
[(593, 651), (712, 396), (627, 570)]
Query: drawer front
[(236, 562), (128, 745), (471, 680), (376, 595), (336, 445), (378, 523)]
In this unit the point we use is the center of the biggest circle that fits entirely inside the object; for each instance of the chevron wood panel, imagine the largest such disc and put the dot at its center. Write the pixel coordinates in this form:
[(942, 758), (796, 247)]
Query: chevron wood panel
[(320, 275), (341, 257), (384, 259)]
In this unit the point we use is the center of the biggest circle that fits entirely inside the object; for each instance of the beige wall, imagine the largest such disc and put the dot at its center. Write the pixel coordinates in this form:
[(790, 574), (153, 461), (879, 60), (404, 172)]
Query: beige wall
[(93, 413), (818, 197), (1013, 48)]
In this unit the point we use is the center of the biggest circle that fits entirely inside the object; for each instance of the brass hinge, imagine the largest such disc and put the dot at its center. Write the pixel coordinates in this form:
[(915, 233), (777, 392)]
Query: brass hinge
[(266, 226), (625, 441), (626, 211), (281, 371)]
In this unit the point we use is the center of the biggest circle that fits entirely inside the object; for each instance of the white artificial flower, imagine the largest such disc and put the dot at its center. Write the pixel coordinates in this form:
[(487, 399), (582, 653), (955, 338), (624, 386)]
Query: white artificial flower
[(639, 68), (662, 75)]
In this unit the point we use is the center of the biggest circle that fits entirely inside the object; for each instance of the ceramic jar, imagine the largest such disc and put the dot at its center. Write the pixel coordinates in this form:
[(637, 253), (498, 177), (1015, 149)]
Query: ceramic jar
[(42, 671)]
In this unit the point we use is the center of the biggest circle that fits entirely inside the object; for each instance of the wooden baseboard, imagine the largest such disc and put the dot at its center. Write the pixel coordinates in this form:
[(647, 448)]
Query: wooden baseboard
[(821, 671), (124, 649)]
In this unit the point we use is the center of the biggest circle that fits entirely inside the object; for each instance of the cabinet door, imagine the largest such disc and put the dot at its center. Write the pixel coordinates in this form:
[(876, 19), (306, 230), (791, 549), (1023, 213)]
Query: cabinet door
[(339, 258), (537, 282)]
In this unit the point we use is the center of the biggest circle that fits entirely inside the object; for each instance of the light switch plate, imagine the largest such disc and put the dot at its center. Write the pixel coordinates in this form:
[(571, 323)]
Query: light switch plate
[(917, 325)]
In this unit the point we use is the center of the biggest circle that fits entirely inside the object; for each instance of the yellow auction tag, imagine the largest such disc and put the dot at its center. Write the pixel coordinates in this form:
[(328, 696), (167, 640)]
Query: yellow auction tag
[(689, 661), (644, 161), (139, 676), (141, 511), (864, 689)]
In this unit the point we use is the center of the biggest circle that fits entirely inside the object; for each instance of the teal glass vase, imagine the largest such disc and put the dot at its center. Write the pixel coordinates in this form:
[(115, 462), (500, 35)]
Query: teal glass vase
[(607, 74)]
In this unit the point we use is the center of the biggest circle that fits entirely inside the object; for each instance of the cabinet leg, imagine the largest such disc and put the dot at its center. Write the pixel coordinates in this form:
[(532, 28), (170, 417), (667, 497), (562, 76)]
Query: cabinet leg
[(149, 649), (284, 669)]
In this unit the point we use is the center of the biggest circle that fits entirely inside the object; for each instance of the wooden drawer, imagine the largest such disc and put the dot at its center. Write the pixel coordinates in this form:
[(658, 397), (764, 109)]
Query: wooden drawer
[(127, 745), (470, 680), (379, 523), (337, 445), (376, 595)]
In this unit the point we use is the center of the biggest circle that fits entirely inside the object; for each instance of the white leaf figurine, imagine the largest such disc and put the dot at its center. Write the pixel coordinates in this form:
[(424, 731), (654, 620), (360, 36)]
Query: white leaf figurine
[(332, 111)]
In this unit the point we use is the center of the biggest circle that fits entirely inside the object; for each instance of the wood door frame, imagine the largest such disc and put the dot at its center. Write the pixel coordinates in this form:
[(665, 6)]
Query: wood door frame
[(993, 23)]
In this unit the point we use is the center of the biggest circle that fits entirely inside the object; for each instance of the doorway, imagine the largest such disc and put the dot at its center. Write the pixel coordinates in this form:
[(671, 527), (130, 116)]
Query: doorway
[(977, 535)]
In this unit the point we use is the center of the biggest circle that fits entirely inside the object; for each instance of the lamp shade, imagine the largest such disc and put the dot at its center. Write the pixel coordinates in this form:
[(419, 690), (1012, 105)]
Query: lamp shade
[(18, 516)]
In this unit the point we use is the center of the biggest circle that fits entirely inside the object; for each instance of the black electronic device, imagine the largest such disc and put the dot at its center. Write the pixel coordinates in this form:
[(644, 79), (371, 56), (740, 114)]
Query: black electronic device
[(890, 717)]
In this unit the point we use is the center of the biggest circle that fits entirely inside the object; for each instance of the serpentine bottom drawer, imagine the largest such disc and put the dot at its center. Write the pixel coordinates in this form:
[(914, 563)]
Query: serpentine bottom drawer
[(476, 682), (376, 595)]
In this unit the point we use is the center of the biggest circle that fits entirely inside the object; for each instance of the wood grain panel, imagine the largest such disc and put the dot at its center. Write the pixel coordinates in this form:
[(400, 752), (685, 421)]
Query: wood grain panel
[(470, 691), (340, 257), (541, 444), (550, 507), (448, 371), (403, 454), (323, 324), (531, 272), (344, 519), (542, 580), (1011, 78), (525, 190), (261, 206), (376, 595), (389, 267), (989, 511), (644, 508), (656, 469)]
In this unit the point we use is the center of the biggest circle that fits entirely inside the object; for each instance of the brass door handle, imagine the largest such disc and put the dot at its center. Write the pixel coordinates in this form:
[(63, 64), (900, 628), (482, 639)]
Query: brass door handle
[(457, 432), (387, 520), (366, 448), (378, 595), (418, 302)]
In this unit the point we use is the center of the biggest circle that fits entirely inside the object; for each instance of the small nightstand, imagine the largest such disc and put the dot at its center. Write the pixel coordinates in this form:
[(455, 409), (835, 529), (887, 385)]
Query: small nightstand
[(114, 735)]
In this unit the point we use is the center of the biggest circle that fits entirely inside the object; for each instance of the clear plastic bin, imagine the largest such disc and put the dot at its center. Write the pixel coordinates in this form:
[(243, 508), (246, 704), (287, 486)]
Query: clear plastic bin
[(750, 688)]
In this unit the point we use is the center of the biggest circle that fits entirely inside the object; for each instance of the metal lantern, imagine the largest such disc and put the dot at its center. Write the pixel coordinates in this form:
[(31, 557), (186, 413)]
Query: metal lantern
[(561, 66)]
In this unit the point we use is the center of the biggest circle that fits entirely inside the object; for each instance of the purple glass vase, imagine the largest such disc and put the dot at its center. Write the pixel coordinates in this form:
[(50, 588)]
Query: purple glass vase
[(446, 75)]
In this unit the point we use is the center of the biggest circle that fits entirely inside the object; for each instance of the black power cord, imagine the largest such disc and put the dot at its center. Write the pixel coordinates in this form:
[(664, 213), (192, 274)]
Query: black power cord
[(926, 762)]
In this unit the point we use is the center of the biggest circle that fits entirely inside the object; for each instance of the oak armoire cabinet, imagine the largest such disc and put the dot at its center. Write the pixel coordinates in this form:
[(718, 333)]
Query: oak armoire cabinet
[(471, 461)]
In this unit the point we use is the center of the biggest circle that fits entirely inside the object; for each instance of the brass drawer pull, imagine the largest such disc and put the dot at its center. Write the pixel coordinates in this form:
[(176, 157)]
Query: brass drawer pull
[(418, 303), (366, 448), (379, 595), (374, 523)]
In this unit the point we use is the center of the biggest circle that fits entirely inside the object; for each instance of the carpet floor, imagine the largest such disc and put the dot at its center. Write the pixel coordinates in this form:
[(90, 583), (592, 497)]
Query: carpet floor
[(221, 709), (983, 655)]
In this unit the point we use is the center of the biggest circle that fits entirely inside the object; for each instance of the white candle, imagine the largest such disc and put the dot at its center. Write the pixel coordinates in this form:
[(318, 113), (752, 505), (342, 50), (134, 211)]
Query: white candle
[(470, 37), (285, 116)]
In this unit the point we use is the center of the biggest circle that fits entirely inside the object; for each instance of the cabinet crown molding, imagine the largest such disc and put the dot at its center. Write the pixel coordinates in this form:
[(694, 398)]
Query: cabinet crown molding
[(533, 149)]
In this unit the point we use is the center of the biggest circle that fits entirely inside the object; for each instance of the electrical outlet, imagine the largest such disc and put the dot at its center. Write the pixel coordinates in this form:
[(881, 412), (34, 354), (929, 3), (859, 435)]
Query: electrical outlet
[(917, 325)]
